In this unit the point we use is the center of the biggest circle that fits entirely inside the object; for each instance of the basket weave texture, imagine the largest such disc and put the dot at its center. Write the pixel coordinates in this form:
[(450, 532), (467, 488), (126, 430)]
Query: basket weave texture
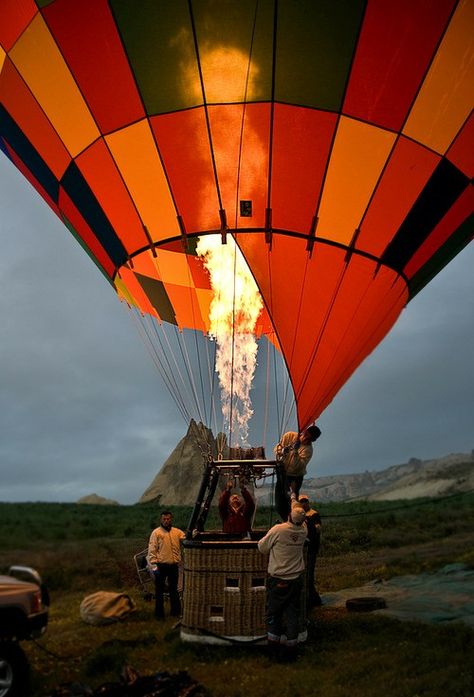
[(225, 589)]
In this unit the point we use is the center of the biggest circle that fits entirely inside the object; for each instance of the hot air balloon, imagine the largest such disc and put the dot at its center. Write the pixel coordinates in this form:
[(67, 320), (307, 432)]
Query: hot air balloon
[(322, 151)]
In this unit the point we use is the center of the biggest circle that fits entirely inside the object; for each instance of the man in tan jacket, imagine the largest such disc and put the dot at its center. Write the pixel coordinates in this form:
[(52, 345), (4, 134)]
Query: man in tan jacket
[(163, 558)]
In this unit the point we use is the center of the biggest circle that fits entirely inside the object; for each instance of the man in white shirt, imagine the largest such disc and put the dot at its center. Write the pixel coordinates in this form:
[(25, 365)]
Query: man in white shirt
[(163, 558), (284, 545)]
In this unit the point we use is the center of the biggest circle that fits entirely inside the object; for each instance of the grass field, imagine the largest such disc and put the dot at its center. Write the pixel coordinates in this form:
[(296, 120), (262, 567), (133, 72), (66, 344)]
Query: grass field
[(79, 549)]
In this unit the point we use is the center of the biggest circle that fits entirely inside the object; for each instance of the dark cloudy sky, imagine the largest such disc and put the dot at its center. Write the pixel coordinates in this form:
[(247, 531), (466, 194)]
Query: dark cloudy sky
[(82, 408)]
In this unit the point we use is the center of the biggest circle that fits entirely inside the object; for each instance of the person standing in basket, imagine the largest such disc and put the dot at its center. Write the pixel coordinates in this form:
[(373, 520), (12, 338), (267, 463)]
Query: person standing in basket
[(313, 524), (163, 559), (284, 544), (236, 511)]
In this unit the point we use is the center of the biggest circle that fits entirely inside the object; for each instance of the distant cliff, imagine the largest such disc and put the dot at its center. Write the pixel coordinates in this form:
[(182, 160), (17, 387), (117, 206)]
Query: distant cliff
[(179, 479)]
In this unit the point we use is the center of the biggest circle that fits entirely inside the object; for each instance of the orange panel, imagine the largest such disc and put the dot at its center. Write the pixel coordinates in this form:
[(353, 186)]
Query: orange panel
[(24, 109), (43, 68), (136, 291), (144, 264), (2, 58), (461, 152), (445, 99), (186, 307), (135, 153), (173, 268), (16, 15), (409, 168), (100, 171), (204, 299), (357, 159)]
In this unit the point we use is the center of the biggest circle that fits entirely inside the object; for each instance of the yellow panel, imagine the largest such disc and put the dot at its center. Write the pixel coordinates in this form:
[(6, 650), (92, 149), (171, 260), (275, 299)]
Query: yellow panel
[(446, 97), (173, 267), (358, 157), (41, 65), (204, 299), (123, 292), (135, 153)]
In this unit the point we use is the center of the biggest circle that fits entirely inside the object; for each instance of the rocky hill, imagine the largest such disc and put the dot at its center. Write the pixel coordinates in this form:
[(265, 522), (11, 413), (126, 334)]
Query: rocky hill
[(439, 477), (97, 500), (178, 481)]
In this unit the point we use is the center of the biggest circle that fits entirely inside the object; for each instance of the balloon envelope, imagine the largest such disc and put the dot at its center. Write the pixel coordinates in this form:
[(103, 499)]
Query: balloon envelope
[(334, 141)]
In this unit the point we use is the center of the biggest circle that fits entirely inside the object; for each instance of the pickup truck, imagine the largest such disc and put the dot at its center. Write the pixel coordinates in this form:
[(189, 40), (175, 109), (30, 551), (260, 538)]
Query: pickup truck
[(24, 605)]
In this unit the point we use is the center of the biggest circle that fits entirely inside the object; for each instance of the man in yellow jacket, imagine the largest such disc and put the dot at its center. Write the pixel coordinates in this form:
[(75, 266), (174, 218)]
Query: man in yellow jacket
[(163, 559)]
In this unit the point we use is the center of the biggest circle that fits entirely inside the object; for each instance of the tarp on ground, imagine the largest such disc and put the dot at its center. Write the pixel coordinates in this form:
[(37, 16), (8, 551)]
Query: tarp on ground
[(441, 597)]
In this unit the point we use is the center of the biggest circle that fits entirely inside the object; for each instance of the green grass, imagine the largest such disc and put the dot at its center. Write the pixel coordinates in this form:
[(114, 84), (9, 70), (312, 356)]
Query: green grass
[(81, 548)]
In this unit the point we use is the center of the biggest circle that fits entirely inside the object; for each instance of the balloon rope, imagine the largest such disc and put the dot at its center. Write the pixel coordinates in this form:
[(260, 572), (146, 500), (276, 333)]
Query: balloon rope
[(267, 397), (189, 372), (151, 348)]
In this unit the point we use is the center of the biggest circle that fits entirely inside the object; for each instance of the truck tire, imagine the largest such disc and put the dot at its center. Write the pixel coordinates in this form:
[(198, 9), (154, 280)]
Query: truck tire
[(13, 670)]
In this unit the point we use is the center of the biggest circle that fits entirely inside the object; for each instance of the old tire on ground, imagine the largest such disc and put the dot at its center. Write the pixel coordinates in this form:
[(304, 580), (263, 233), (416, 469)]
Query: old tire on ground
[(13, 670), (365, 604)]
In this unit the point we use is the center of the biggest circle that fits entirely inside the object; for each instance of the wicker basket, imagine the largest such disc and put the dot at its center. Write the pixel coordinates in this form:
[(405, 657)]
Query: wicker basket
[(224, 590)]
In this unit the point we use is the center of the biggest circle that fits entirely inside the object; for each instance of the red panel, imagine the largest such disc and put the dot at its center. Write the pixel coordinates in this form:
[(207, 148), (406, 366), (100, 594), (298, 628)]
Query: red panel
[(136, 290), (88, 39), (395, 48), (24, 109), (456, 215), (328, 314), (33, 181), (240, 139), (186, 306), (365, 309), (85, 233), (102, 175), (409, 168), (301, 142), (200, 276), (15, 15), (184, 147), (461, 152)]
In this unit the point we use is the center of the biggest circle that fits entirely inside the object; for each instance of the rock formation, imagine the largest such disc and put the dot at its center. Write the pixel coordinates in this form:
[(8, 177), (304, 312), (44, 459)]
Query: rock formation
[(178, 481), (98, 500)]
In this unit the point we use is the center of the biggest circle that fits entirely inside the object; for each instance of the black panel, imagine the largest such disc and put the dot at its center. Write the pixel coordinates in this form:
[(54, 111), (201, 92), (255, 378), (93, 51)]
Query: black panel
[(79, 192), (27, 153), (443, 188), (158, 297), (456, 242)]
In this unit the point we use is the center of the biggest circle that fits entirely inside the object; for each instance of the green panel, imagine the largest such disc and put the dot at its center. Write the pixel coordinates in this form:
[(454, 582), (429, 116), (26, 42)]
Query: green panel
[(77, 237), (158, 297), (442, 257), (237, 38), (159, 34), (315, 45)]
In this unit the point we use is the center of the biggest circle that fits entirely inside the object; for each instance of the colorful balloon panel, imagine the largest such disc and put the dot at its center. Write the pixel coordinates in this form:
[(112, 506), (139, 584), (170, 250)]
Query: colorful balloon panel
[(333, 139)]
